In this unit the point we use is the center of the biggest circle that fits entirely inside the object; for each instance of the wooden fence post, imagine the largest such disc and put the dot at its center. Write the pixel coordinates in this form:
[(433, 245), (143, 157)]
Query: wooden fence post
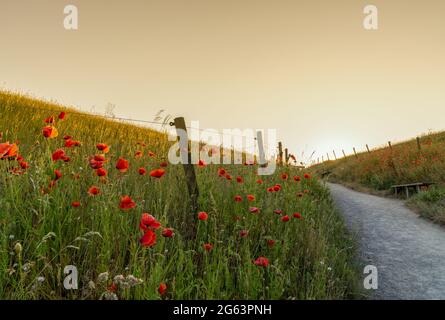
[(344, 154), (355, 152), (280, 153), (367, 147), (418, 144), (286, 156), (261, 153), (189, 170), (390, 145), (327, 154), (335, 156)]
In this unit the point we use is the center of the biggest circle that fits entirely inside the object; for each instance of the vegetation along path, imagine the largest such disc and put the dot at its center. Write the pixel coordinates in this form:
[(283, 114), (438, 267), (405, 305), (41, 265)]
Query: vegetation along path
[(408, 251)]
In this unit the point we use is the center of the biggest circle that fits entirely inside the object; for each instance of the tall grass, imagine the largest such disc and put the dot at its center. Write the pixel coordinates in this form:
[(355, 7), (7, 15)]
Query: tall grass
[(402, 164), (41, 233)]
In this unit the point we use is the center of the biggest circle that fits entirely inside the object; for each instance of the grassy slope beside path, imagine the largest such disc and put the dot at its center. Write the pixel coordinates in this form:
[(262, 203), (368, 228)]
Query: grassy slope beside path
[(404, 163), (41, 232)]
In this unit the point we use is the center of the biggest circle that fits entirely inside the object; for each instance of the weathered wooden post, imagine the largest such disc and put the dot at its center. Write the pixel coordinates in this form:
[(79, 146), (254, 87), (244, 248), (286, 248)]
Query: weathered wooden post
[(280, 153), (344, 154), (355, 152), (390, 145), (335, 156), (327, 154), (286, 156), (367, 148), (186, 158), (419, 147), (261, 153)]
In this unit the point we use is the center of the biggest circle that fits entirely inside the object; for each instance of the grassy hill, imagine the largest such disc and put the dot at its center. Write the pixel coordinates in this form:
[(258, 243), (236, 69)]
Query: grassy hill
[(403, 163), (60, 208)]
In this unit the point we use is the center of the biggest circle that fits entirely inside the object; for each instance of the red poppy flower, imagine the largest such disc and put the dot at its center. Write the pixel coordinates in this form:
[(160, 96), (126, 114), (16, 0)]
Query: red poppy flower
[(307, 176), (102, 147), (142, 171), (148, 222), (297, 178), (66, 159), (50, 132), (62, 115), (162, 289), (58, 175), (238, 199), (208, 246), (271, 243), (75, 204), (157, 173), (285, 218), (148, 239), (49, 120), (66, 137), (250, 197), (126, 203), (99, 157), (228, 177), (201, 163), (259, 181), (297, 215), (254, 210), (8, 150), (262, 262), (151, 154), (167, 233), (278, 211), (19, 158), (239, 179), (243, 233), (203, 216), (138, 154), (122, 165), (221, 172), (270, 189), (72, 143), (59, 154), (94, 164), (112, 287), (24, 165), (284, 176), (277, 187), (163, 164), (94, 191), (101, 172)]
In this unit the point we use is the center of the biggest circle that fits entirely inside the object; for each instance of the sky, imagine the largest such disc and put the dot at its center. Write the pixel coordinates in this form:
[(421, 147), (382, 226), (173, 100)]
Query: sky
[(306, 68)]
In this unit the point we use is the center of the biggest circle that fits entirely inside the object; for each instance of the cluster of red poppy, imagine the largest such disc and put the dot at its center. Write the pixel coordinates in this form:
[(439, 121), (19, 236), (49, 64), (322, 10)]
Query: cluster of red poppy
[(261, 261), (148, 225), (9, 151), (96, 162)]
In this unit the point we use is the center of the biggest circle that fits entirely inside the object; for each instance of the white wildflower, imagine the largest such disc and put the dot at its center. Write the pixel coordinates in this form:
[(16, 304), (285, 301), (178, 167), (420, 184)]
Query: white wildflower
[(102, 277)]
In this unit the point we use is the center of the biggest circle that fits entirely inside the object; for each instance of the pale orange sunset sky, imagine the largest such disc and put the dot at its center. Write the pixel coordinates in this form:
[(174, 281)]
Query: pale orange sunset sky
[(306, 68)]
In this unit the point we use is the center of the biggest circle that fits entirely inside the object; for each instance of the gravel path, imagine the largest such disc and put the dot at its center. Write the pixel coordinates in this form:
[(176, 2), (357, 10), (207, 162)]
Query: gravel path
[(408, 251)]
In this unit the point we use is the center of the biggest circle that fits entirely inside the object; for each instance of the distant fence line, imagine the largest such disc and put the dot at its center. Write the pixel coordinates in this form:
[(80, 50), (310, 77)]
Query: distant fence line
[(357, 155)]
